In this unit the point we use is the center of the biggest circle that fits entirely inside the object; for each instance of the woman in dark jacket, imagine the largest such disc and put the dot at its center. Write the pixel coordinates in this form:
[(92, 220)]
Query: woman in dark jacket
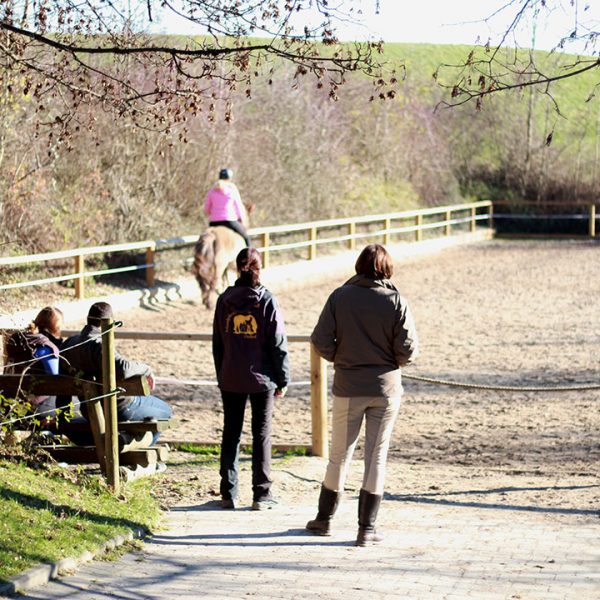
[(366, 329), (37, 350), (251, 360)]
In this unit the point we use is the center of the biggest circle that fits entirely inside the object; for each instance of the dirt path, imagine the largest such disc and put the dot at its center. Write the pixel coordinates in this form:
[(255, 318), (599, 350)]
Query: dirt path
[(501, 312)]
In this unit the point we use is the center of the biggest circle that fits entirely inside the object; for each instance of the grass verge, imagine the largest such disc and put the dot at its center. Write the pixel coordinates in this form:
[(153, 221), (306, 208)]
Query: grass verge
[(52, 513), (215, 450)]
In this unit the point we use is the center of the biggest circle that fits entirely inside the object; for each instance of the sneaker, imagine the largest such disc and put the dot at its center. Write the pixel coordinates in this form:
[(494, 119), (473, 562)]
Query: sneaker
[(227, 503), (264, 504)]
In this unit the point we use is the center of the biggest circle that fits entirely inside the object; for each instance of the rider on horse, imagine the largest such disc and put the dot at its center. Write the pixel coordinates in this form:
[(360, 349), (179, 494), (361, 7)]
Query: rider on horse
[(224, 207)]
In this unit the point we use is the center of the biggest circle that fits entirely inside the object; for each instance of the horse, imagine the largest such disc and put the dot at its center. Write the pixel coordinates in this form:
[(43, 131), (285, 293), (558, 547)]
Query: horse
[(214, 257)]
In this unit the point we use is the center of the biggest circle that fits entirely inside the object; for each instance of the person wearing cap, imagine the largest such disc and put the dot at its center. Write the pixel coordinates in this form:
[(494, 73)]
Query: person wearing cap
[(223, 205), (82, 354)]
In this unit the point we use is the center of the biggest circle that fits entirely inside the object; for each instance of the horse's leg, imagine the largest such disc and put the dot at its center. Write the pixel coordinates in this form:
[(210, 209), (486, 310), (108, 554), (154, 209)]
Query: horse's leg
[(229, 275)]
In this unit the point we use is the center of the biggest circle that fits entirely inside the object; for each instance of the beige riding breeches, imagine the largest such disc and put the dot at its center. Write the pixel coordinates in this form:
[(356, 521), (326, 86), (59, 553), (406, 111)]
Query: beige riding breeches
[(347, 417)]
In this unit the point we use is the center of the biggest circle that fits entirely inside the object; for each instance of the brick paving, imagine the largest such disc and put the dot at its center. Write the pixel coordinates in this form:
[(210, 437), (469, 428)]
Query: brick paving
[(431, 551)]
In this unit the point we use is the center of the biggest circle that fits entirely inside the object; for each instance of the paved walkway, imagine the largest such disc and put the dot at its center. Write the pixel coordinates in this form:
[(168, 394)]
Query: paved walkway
[(432, 551)]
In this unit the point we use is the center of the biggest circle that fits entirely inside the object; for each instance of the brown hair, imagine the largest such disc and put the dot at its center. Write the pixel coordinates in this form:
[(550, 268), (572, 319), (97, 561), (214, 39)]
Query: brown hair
[(248, 265), (374, 262), (48, 319)]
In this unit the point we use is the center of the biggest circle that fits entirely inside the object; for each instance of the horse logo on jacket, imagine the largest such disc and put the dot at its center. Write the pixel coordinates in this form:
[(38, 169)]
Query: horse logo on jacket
[(245, 325)]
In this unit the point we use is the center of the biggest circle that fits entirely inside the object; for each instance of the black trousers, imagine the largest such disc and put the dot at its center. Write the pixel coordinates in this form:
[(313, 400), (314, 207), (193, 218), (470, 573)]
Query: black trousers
[(234, 406), (234, 226)]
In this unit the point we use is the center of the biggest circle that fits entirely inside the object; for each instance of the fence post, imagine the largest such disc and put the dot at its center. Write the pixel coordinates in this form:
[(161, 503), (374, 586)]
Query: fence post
[(109, 384), (312, 254), (4, 340), (318, 402), (473, 223), (419, 232), (491, 216), (79, 284), (386, 235), (96, 419), (150, 269), (266, 240), (448, 227), (592, 223), (352, 232)]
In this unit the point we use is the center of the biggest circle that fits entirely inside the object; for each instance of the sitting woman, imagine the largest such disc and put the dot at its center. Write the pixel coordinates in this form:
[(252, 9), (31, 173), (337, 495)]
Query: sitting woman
[(223, 205), (36, 350)]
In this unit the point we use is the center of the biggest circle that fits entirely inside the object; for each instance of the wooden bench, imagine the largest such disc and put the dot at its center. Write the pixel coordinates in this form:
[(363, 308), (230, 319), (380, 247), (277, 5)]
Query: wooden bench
[(135, 449)]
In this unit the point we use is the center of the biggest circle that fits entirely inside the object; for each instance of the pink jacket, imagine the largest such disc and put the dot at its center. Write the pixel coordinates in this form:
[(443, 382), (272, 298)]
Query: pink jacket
[(224, 204)]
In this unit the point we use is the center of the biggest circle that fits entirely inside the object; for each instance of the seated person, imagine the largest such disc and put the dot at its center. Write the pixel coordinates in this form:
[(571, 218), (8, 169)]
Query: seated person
[(36, 350), (82, 354)]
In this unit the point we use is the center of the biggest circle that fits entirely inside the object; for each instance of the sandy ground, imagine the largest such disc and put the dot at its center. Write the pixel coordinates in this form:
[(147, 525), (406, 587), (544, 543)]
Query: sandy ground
[(494, 313)]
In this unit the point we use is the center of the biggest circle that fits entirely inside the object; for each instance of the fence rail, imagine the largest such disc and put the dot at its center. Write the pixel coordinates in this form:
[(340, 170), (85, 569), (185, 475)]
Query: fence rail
[(318, 377), (318, 233), (588, 213)]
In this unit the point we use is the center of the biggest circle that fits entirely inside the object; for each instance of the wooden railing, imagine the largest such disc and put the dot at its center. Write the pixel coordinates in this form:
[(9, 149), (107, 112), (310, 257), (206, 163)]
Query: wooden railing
[(388, 229), (79, 273), (318, 378), (318, 375), (390, 226), (546, 212)]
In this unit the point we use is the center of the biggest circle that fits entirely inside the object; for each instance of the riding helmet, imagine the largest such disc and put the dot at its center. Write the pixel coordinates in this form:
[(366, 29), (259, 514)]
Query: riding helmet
[(225, 174)]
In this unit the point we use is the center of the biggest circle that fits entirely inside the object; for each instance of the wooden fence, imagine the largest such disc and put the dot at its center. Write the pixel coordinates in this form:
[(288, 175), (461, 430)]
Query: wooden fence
[(385, 227), (318, 377), (548, 213)]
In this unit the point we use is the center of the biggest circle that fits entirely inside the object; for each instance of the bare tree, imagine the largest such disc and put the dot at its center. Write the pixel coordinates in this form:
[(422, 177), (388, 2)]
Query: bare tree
[(500, 66), (81, 54)]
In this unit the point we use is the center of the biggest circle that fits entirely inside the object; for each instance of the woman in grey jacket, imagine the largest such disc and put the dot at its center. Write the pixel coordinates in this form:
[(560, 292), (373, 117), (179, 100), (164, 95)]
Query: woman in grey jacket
[(367, 330)]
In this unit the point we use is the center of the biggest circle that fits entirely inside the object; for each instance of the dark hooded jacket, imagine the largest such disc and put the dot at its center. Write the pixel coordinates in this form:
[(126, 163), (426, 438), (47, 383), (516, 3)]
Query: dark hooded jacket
[(249, 341), (367, 330), (83, 356), (22, 348)]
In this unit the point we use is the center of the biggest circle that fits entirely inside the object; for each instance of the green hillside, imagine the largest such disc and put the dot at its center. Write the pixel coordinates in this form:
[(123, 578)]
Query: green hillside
[(297, 154)]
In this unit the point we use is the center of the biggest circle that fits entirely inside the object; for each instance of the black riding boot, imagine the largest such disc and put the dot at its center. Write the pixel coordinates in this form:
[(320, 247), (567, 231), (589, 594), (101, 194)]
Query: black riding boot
[(328, 503), (368, 507)]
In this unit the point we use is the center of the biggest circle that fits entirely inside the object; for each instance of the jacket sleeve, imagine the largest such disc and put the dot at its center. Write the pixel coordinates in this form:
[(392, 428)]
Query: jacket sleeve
[(218, 347), (278, 345), (324, 335), (406, 342), (126, 368)]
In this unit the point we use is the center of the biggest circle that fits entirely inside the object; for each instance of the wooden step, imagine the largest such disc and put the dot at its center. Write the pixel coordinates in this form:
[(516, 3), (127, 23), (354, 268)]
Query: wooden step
[(87, 455)]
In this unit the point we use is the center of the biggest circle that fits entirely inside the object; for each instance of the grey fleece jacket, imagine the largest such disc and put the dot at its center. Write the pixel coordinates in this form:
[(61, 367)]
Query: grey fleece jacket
[(367, 330)]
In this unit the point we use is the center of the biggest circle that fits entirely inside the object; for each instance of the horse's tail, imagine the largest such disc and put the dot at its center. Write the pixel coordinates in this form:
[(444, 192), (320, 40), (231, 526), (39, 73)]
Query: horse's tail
[(204, 260)]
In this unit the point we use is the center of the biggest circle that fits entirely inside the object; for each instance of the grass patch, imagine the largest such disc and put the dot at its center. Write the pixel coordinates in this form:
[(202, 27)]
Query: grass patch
[(52, 513), (198, 449), (215, 450), (295, 451)]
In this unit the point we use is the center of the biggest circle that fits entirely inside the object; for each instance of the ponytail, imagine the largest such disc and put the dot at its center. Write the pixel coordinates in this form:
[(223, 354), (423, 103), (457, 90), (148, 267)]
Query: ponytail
[(248, 265)]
